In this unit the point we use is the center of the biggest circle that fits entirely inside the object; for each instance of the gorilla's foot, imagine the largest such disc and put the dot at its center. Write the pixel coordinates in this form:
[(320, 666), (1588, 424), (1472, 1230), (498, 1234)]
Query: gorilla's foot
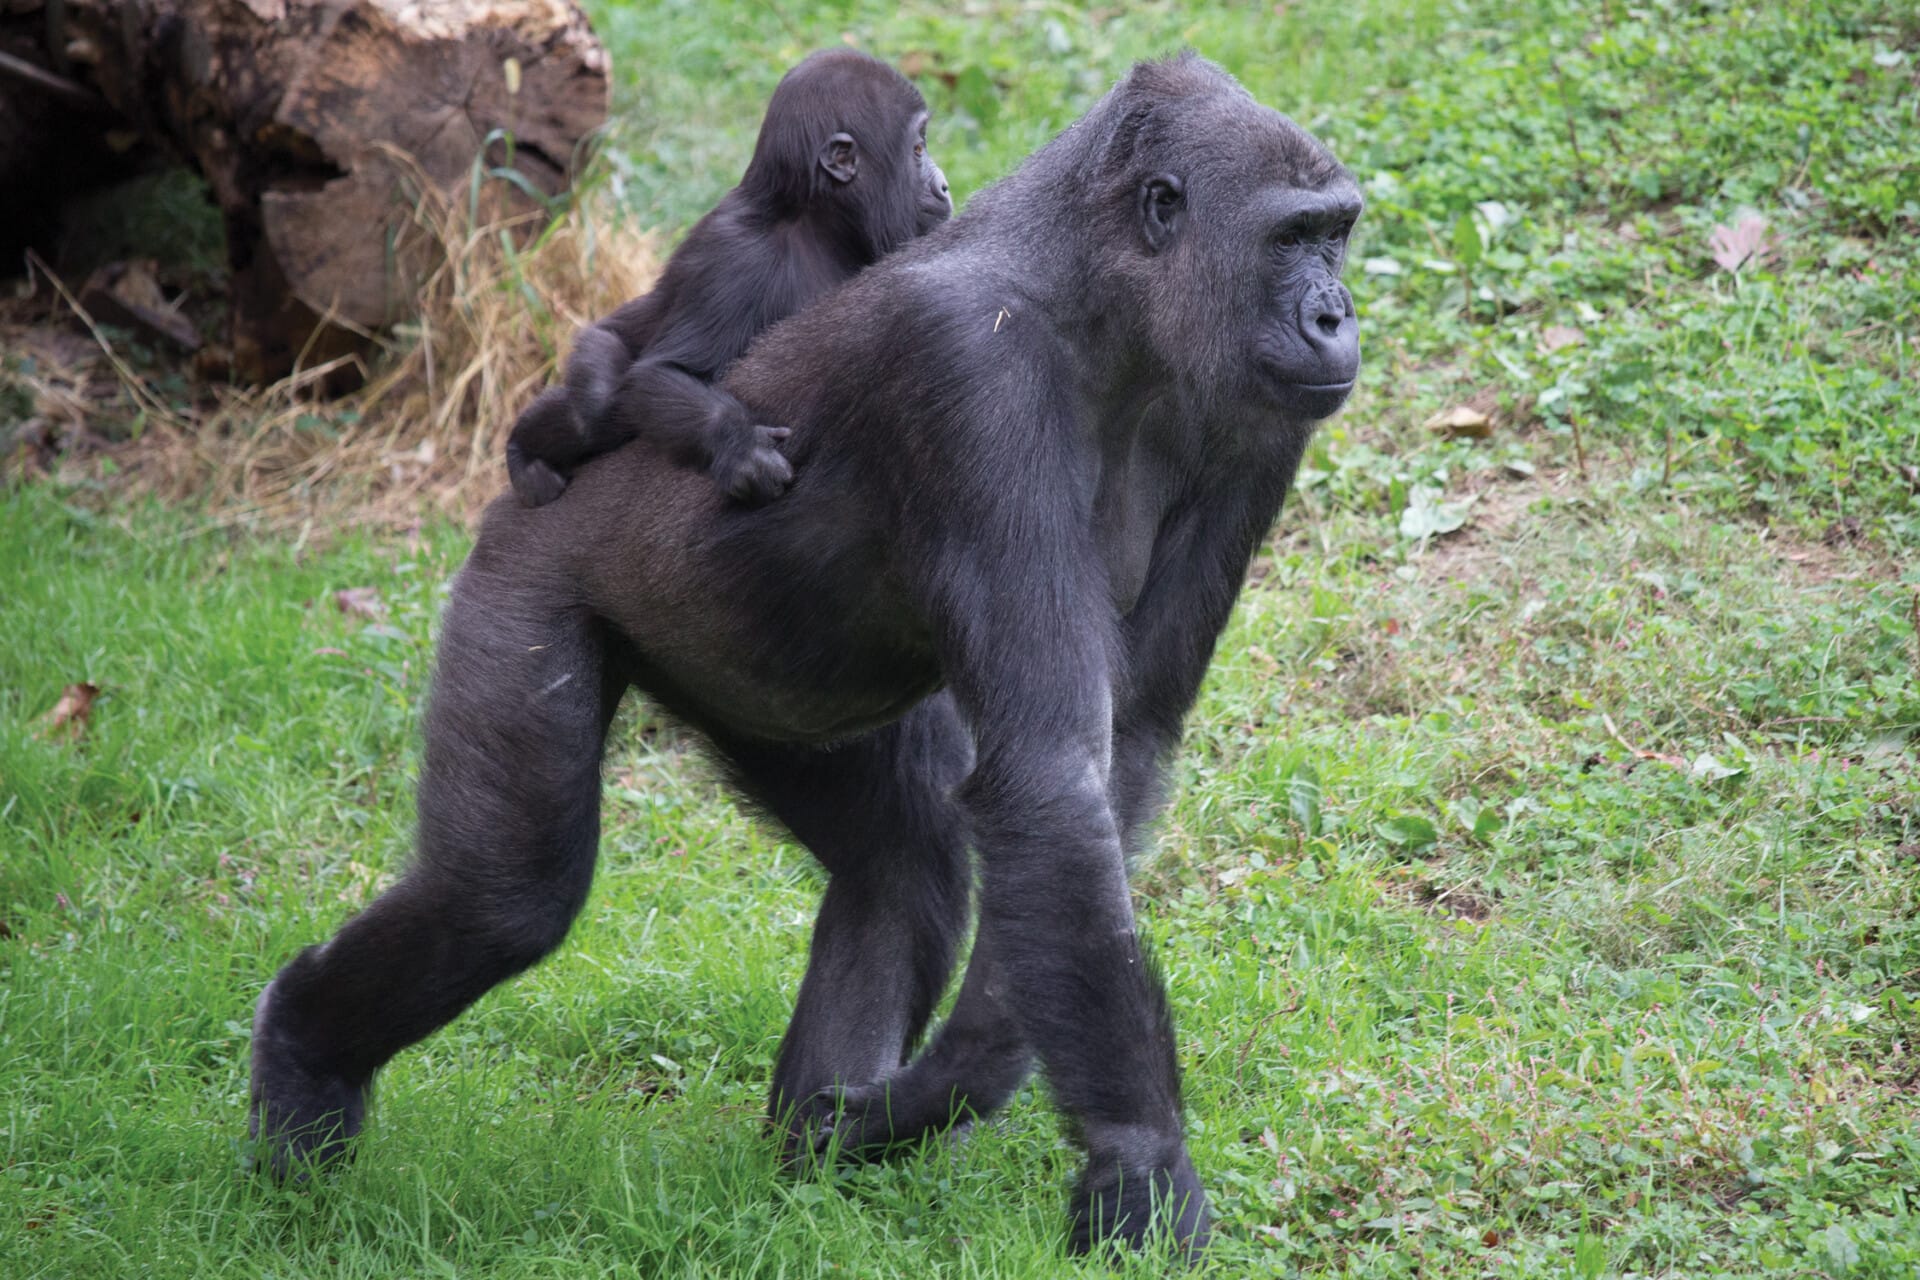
[(966, 1077), (1134, 1206), (537, 483), (758, 474), (866, 1122), (302, 1116), (852, 1122)]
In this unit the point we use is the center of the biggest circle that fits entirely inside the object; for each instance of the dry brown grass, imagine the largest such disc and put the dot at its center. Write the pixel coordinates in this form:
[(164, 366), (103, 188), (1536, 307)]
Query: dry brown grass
[(424, 435)]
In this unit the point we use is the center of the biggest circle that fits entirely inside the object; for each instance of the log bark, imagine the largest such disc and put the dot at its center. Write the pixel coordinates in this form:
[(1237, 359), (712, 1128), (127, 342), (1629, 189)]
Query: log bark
[(316, 123)]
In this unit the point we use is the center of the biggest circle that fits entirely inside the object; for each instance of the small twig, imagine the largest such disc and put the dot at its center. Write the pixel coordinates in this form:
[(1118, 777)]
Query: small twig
[(1765, 725), (1579, 446), (1240, 1063), (1573, 134), (1915, 616), (71, 92), (1806, 162), (136, 385), (1606, 722)]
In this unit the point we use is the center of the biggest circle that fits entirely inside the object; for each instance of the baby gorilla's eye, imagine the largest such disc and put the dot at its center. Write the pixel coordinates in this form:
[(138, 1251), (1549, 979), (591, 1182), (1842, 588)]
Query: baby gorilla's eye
[(919, 149)]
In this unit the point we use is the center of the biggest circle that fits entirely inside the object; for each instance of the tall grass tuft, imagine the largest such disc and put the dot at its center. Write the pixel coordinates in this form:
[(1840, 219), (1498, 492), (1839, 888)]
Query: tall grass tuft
[(424, 433)]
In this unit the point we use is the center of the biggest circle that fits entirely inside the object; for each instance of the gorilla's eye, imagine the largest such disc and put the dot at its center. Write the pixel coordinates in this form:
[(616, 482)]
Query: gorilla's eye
[(1341, 232), (1287, 240), (919, 149)]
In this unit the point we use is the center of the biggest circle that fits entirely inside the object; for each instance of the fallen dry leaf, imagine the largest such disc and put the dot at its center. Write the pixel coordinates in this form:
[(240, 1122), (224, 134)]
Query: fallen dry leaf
[(360, 602), (1461, 421), (920, 62), (1556, 336), (1736, 246), (69, 715)]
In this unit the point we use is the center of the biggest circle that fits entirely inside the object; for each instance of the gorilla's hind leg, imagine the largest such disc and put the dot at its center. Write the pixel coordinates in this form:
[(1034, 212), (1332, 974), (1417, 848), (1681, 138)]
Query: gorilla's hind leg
[(509, 820), (878, 814), (976, 1062)]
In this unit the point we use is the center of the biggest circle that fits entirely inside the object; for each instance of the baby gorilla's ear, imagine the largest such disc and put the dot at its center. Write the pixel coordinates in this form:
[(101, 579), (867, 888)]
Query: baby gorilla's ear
[(840, 157)]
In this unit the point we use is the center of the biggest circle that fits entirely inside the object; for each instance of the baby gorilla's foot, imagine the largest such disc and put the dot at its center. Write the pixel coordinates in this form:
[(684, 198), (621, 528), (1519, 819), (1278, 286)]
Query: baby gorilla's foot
[(536, 483), (757, 473)]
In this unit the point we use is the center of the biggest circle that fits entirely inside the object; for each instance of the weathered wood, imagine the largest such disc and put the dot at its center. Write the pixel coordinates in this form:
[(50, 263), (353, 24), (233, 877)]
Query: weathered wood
[(318, 122)]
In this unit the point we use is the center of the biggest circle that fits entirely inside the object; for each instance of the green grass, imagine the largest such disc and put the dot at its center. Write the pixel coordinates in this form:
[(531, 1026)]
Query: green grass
[(1538, 898)]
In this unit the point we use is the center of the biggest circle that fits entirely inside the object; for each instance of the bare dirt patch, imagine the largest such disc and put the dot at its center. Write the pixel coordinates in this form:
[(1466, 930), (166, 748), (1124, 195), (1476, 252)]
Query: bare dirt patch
[(1501, 502), (1844, 552), (1455, 902)]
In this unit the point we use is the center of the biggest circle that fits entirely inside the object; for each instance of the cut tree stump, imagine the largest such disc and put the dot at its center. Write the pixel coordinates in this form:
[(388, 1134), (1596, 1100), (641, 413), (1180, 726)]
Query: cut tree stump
[(316, 124)]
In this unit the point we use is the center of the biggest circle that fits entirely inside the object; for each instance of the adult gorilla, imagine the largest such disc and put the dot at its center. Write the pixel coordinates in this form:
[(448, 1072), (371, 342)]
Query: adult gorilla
[(1035, 453)]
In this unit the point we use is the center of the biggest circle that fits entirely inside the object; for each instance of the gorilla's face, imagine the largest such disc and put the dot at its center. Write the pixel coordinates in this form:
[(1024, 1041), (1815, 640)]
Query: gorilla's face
[(1306, 342), (1250, 235)]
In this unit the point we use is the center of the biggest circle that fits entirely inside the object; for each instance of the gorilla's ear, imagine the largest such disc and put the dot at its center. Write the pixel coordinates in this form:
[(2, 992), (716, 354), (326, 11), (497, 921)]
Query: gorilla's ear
[(840, 158), (1163, 202)]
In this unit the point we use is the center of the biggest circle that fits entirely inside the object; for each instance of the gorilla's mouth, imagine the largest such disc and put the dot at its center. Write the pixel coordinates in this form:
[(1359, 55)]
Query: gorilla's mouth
[(1309, 401), (1315, 400)]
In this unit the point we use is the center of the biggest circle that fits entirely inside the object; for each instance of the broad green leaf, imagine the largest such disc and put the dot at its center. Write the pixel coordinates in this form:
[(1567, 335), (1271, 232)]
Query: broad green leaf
[(1409, 831), (1468, 245)]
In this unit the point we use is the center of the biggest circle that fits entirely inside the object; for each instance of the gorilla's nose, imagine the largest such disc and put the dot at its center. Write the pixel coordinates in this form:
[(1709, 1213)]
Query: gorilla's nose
[(1331, 330), (1324, 310)]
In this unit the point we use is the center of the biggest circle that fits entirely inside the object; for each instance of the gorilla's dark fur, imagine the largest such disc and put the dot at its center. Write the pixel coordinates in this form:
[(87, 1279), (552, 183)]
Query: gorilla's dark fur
[(1035, 452), (840, 176)]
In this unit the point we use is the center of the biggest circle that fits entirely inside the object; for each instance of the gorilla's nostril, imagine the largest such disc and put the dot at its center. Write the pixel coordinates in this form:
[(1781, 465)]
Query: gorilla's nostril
[(1324, 311)]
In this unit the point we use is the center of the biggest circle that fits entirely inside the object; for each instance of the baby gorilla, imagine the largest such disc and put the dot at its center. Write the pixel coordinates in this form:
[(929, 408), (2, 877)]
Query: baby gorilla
[(839, 177)]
